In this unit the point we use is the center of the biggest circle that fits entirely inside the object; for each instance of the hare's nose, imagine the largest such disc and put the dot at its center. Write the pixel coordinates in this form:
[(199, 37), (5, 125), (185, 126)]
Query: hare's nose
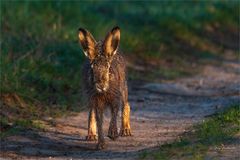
[(99, 87)]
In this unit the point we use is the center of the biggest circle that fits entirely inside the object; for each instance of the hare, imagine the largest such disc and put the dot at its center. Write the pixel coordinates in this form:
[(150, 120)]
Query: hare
[(105, 84)]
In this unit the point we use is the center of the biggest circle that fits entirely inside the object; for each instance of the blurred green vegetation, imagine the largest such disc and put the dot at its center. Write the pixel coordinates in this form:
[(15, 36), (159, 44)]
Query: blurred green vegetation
[(41, 58), (218, 130)]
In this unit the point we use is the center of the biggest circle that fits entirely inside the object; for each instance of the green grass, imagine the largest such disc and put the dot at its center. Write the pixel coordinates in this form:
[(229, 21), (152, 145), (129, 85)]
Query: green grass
[(8, 129), (219, 129), (41, 60)]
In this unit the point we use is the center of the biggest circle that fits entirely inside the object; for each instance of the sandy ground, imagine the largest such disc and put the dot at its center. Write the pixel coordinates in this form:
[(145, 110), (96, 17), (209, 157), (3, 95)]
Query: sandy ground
[(160, 113)]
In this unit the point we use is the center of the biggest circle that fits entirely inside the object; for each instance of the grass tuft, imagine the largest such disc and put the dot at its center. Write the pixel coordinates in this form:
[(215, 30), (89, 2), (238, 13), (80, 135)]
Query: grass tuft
[(217, 130)]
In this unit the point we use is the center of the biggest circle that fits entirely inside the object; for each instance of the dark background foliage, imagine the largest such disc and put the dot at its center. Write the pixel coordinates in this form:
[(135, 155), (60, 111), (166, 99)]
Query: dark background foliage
[(41, 58)]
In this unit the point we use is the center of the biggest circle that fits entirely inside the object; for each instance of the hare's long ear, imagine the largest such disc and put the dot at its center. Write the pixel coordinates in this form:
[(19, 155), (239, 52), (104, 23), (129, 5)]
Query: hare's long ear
[(111, 42), (88, 43)]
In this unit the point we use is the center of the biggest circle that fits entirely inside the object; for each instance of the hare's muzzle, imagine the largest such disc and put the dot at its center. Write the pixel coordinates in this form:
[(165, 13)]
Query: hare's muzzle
[(101, 87)]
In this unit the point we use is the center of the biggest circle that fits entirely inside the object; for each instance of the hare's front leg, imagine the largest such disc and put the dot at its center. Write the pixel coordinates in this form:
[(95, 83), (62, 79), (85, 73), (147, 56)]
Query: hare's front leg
[(112, 132), (92, 128), (99, 118), (126, 129)]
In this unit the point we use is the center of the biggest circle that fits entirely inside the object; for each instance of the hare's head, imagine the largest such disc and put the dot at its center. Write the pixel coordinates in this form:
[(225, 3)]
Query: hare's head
[(100, 55)]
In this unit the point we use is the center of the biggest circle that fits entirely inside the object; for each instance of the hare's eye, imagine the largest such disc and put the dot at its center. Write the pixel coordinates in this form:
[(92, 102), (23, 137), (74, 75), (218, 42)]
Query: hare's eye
[(104, 78)]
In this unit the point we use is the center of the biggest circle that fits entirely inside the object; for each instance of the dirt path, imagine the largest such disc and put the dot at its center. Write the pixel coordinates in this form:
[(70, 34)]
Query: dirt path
[(160, 114)]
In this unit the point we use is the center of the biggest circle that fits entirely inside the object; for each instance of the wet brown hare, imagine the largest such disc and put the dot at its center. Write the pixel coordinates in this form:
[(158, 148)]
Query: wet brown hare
[(105, 84)]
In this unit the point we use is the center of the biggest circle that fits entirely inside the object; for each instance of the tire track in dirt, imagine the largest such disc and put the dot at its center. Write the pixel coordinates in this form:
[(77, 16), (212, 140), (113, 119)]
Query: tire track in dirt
[(160, 114)]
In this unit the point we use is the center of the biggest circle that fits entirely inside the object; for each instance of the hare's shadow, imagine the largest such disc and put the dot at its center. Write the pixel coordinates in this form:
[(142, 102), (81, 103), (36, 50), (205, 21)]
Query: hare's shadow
[(36, 144)]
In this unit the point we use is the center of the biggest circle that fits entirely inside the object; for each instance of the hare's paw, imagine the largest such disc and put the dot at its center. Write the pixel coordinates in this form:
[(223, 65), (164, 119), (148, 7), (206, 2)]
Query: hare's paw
[(91, 137), (100, 146), (126, 132), (113, 134)]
